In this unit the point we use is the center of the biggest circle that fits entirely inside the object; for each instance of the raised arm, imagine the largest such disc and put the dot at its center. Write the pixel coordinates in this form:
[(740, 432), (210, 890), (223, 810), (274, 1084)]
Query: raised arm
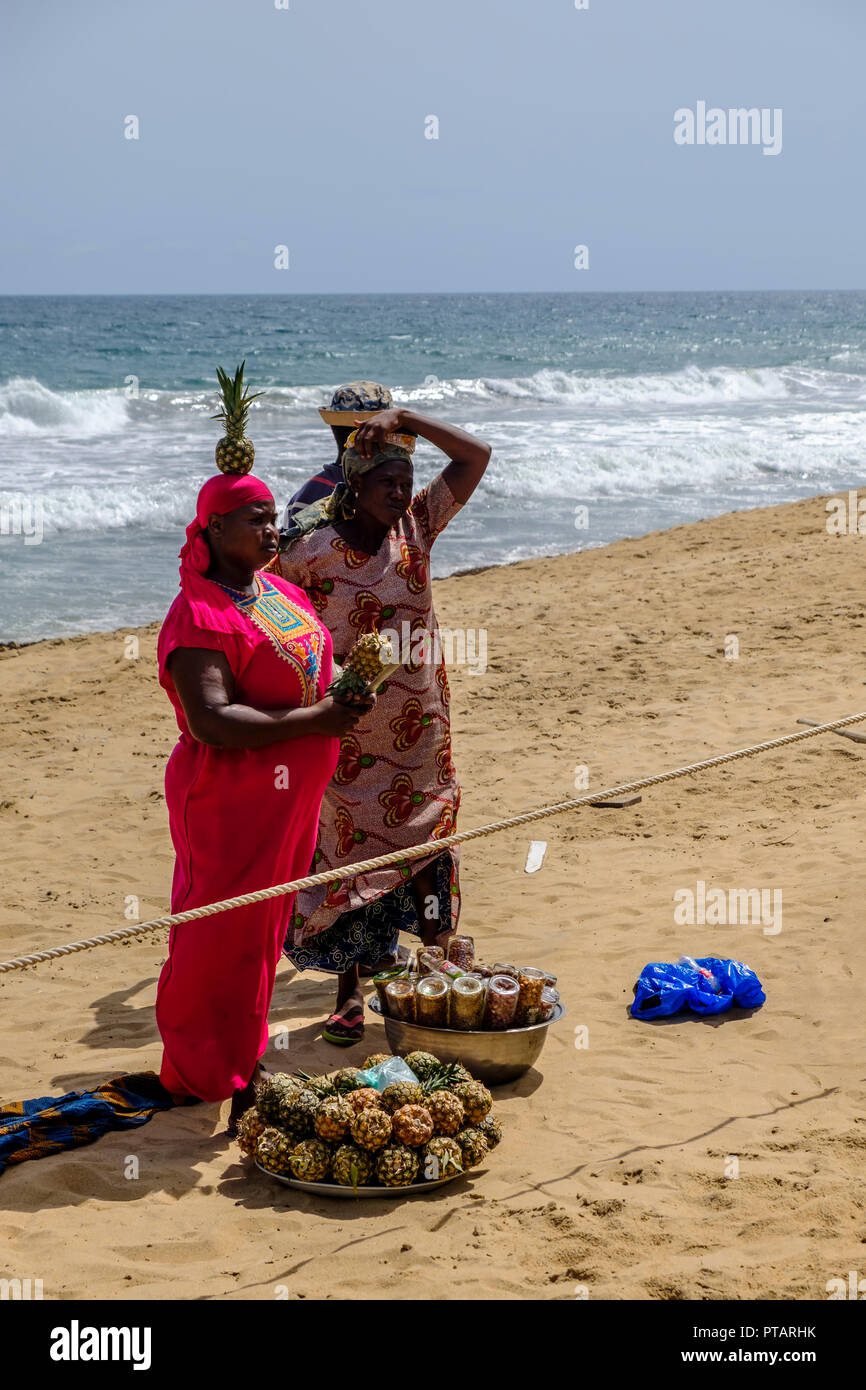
[(469, 456)]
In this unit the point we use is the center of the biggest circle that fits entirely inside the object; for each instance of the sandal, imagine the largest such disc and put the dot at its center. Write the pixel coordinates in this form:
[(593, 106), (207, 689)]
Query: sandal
[(350, 1017)]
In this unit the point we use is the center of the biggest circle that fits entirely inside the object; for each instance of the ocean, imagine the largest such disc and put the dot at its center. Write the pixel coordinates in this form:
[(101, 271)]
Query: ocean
[(610, 415)]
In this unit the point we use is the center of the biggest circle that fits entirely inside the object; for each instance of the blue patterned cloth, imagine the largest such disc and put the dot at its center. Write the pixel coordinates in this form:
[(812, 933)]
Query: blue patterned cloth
[(50, 1124), (365, 935)]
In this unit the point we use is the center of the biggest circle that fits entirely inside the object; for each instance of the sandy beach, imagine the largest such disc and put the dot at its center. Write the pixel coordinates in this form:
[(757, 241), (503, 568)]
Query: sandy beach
[(615, 1177)]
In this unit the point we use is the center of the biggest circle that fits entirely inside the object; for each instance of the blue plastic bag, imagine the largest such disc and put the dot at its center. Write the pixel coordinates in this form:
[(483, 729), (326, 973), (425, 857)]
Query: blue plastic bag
[(667, 989)]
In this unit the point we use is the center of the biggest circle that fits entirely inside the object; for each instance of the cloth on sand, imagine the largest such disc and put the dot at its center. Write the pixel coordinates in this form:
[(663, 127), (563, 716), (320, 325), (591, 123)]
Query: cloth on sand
[(50, 1124), (240, 819)]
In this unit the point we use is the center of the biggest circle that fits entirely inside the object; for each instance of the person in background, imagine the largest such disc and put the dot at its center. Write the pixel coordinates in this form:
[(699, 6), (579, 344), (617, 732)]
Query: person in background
[(358, 400), (362, 556)]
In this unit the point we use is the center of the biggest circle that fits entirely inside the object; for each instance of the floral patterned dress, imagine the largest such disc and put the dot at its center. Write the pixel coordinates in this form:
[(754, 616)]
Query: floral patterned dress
[(395, 784)]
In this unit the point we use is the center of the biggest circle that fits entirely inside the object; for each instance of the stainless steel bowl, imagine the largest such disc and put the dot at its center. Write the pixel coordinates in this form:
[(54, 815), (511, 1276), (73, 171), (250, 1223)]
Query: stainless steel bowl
[(492, 1056)]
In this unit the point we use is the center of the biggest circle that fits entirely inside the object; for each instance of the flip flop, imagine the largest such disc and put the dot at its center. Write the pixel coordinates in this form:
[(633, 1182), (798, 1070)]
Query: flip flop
[(351, 1016)]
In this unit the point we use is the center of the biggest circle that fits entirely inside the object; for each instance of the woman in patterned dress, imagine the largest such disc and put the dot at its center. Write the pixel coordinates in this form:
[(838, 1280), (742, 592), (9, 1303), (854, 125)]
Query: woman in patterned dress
[(363, 558), (245, 663)]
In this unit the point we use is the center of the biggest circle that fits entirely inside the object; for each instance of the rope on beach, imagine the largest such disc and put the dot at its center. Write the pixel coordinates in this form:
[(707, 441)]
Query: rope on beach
[(421, 851)]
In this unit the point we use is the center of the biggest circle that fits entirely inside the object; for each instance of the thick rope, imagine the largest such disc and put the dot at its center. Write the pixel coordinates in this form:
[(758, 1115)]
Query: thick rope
[(403, 856)]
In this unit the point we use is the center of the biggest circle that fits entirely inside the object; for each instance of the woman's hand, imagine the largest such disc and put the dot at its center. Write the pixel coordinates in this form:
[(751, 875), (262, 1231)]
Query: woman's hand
[(370, 434), (333, 718)]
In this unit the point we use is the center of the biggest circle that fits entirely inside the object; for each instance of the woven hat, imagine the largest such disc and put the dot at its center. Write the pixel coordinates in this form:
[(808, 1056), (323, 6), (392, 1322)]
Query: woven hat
[(357, 400)]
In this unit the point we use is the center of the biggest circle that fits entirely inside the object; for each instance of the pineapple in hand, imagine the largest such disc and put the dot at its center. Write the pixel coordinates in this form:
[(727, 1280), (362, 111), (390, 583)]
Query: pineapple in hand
[(370, 662), (234, 452)]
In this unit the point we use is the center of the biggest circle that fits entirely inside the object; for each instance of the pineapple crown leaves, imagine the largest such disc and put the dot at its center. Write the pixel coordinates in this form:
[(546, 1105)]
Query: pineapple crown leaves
[(235, 399), (444, 1078)]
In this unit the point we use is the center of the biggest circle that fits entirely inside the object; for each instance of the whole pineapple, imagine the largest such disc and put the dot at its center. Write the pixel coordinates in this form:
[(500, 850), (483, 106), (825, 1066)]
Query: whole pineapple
[(401, 1093), (491, 1129), (347, 1079), (310, 1160), (320, 1086), (273, 1095), (473, 1147), (351, 1166), (397, 1166), (251, 1126), (300, 1112), (441, 1158), (370, 661), (371, 1129), (412, 1125), (274, 1150), (376, 1060), (476, 1099), (422, 1063), (446, 1111), (445, 1076), (234, 452), (332, 1119), (359, 1100)]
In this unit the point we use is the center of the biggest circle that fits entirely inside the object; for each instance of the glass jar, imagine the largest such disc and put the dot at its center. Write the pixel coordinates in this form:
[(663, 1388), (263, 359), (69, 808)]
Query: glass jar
[(429, 959), (382, 980), (530, 983), (549, 1001), (501, 1002), (431, 1001), (400, 996), (461, 950), (500, 969), (467, 1002)]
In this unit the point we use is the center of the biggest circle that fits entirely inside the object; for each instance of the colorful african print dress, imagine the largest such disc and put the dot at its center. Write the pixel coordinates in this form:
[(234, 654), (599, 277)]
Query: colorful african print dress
[(241, 819), (395, 784)]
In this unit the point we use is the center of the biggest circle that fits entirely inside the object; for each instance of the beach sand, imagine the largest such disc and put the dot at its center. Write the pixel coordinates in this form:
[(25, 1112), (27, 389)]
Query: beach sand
[(615, 1175)]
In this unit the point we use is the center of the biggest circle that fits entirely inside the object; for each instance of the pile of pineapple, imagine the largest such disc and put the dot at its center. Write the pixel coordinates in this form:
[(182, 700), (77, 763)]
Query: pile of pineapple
[(336, 1128)]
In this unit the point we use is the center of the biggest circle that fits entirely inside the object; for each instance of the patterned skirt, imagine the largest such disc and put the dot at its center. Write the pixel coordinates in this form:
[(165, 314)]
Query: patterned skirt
[(365, 935)]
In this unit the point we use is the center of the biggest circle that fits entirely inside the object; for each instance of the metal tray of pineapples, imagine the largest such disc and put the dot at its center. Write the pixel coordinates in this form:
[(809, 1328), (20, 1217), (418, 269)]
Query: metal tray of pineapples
[(339, 1136)]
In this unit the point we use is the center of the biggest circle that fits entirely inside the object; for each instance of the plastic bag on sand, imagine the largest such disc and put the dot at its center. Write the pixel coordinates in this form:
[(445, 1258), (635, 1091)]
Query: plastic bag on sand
[(667, 989)]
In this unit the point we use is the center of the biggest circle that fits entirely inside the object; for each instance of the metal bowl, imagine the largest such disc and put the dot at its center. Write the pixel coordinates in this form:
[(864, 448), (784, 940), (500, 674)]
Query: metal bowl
[(493, 1056)]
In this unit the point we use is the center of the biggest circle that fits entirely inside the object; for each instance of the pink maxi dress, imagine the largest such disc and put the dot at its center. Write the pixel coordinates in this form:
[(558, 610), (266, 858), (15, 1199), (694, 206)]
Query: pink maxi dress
[(240, 819)]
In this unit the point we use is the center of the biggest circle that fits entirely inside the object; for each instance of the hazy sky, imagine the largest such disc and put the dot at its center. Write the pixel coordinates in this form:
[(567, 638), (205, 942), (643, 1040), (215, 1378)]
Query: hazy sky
[(305, 127)]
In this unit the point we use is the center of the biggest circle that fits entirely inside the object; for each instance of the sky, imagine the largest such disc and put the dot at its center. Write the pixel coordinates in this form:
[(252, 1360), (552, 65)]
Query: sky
[(304, 127)]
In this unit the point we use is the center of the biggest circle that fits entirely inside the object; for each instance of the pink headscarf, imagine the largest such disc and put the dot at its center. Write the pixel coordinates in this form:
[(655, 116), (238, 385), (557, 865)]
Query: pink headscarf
[(210, 605)]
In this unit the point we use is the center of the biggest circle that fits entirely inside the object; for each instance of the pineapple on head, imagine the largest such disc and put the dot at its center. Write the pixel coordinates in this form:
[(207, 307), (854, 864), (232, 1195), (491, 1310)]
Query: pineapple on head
[(234, 452)]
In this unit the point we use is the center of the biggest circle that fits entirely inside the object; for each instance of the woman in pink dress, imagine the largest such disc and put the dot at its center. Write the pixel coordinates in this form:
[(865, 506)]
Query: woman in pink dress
[(363, 557), (245, 663)]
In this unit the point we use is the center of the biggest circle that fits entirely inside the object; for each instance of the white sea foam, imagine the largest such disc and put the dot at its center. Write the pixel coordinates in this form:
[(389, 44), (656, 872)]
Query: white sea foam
[(29, 408)]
